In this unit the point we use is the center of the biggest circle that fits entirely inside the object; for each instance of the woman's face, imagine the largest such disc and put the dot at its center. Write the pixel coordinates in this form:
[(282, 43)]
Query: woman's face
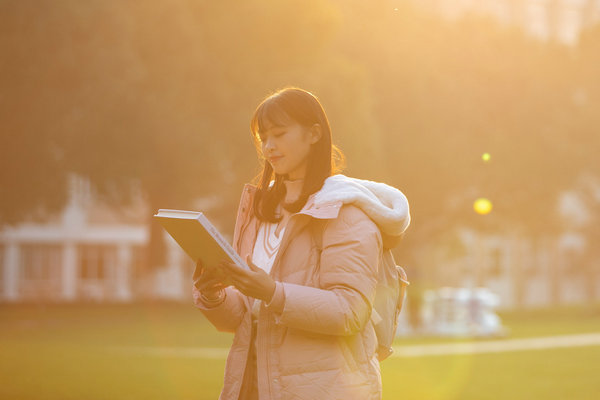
[(287, 148)]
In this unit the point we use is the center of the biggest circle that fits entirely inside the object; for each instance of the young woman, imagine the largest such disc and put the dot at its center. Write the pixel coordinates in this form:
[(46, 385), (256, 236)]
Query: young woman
[(313, 241)]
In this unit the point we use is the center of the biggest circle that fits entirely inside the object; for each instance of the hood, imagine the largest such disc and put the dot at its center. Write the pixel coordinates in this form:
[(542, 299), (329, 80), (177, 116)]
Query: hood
[(385, 205)]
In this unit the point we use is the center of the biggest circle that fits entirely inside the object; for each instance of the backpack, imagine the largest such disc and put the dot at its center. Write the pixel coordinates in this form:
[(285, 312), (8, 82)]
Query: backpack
[(389, 297)]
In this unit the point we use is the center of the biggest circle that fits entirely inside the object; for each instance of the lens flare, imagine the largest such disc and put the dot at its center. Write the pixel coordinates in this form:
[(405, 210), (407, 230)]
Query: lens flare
[(486, 157), (482, 206)]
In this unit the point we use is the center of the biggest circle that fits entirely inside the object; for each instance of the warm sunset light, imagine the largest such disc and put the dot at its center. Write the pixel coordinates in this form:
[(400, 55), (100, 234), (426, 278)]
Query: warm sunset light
[(482, 206), (375, 122)]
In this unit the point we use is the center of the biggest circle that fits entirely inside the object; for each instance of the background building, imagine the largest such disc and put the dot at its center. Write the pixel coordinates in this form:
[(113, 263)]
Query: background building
[(560, 20), (74, 257), (89, 252)]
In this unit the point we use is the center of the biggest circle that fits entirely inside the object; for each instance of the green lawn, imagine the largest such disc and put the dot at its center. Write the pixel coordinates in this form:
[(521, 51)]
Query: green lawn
[(71, 352)]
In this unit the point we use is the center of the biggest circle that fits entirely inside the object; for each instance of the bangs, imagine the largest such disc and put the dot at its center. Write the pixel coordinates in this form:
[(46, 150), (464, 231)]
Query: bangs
[(269, 114)]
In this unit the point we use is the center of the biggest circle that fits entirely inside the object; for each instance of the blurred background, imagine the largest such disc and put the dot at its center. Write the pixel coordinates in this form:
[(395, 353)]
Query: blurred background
[(485, 113)]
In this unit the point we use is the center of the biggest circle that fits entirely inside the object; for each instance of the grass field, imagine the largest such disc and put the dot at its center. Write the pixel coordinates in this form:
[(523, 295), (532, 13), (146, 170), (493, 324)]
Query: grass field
[(74, 352)]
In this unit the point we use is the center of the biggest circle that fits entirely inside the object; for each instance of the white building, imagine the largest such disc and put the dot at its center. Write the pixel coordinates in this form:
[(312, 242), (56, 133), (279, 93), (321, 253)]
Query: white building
[(524, 272), (528, 272), (87, 253), (560, 20), (92, 253)]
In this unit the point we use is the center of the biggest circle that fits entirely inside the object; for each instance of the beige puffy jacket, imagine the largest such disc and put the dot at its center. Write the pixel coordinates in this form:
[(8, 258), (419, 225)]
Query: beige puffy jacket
[(315, 340)]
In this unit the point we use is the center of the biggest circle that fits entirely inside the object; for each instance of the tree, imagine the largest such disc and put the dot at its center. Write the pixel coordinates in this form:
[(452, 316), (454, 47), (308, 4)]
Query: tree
[(156, 96)]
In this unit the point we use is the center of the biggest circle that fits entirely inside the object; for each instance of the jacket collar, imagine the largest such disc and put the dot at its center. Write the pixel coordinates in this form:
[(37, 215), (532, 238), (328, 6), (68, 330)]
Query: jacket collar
[(385, 205)]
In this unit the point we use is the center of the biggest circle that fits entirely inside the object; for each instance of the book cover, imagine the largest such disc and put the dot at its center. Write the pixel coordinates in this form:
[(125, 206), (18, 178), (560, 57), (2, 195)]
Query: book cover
[(198, 237)]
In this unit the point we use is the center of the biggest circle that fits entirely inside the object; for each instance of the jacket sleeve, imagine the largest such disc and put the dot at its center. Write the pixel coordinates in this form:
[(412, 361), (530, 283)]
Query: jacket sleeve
[(227, 315), (342, 303)]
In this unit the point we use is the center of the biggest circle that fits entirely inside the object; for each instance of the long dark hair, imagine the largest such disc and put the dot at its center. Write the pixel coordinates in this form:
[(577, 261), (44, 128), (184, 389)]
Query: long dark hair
[(285, 107)]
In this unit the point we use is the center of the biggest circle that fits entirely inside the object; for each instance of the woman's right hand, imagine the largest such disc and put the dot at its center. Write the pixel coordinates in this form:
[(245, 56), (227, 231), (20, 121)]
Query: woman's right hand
[(209, 281)]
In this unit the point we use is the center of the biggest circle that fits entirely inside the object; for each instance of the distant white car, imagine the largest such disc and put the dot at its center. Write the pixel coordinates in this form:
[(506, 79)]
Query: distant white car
[(461, 312)]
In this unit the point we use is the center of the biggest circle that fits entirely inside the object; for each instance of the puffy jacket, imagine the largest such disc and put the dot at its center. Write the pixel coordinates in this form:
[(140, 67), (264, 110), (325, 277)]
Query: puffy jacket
[(315, 340)]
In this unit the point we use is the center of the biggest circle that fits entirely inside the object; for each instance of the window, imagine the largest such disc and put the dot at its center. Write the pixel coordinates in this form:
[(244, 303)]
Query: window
[(2, 268), (496, 265), (40, 270), (95, 271), (96, 261), (138, 260)]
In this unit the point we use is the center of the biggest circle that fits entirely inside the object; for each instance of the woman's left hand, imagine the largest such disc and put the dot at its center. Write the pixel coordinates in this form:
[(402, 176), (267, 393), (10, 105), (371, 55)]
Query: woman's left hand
[(254, 282)]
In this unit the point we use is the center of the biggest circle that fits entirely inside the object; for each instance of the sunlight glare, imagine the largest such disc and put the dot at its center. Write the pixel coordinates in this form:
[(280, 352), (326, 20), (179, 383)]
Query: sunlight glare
[(482, 206)]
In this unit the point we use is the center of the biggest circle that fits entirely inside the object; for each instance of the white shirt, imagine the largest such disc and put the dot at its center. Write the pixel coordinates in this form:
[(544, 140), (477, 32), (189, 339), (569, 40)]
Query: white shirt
[(266, 245)]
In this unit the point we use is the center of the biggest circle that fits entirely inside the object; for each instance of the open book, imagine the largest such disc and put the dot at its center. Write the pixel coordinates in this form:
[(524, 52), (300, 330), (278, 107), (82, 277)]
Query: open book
[(198, 237)]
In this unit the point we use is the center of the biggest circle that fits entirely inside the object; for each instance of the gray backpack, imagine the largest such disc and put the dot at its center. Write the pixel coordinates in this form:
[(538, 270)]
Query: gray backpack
[(389, 297)]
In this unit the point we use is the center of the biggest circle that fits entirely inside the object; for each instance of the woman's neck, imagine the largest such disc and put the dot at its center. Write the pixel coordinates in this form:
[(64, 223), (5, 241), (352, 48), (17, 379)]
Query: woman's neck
[(293, 189)]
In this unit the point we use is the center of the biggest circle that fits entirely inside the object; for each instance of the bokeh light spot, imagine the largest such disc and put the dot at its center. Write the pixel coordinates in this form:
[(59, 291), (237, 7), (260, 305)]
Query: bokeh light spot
[(482, 206)]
